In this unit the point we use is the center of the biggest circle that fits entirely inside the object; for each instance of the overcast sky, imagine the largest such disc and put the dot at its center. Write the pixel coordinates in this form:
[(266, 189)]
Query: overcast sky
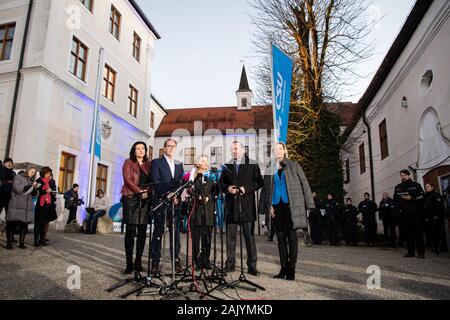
[(198, 60)]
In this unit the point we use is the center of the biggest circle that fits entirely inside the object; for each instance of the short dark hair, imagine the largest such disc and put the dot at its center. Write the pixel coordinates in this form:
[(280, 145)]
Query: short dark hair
[(168, 140), (8, 160), (44, 171), (406, 172), (75, 185), (367, 194), (237, 142), (346, 200), (100, 191), (430, 184), (133, 151)]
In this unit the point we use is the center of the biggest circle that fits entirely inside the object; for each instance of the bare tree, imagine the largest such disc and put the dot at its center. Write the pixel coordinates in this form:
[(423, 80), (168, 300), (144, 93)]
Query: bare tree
[(327, 40)]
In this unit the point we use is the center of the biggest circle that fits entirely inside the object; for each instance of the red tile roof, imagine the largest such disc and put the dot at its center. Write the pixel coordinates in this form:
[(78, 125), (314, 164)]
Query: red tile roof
[(223, 118)]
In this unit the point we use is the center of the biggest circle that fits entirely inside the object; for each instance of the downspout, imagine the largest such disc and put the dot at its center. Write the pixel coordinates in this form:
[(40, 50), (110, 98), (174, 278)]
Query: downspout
[(369, 137), (19, 74)]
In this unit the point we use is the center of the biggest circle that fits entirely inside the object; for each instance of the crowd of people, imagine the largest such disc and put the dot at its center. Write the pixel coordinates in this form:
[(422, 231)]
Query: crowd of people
[(29, 197), (412, 215)]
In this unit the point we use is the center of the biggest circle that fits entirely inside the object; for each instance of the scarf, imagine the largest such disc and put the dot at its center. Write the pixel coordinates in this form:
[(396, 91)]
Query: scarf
[(46, 198)]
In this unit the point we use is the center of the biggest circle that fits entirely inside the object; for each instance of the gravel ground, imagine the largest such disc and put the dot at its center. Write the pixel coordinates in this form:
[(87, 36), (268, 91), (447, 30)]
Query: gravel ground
[(322, 273)]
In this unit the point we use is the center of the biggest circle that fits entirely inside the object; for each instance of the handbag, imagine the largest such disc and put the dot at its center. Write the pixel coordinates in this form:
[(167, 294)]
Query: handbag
[(72, 227)]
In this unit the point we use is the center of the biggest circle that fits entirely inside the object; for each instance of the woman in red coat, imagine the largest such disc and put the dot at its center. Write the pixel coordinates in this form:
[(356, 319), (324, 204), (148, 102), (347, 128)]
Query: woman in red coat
[(136, 204)]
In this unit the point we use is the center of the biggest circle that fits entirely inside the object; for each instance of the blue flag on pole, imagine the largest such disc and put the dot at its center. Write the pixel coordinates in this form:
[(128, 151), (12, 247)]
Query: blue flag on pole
[(98, 136), (282, 66)]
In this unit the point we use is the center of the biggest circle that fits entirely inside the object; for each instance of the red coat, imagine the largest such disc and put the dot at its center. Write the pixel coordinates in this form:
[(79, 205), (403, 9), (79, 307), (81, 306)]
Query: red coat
[(131, 175)]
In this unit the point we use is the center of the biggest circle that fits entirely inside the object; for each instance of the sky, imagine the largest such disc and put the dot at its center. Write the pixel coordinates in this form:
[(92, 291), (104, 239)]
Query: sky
[(198, 61)]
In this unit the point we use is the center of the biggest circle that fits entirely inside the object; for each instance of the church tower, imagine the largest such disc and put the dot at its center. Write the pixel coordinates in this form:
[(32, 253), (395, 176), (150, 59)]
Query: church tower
[(244, 95)]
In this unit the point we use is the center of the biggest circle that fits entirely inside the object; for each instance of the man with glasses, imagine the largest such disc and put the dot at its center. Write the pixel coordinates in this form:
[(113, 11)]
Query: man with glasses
[(167, 174)]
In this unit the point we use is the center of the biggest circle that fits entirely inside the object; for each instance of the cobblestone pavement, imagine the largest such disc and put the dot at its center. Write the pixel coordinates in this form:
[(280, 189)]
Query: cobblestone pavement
[(322, 272)]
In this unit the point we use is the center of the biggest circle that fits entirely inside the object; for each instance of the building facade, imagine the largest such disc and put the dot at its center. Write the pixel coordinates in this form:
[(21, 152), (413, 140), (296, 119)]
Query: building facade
[(52, 115), (406, 110)]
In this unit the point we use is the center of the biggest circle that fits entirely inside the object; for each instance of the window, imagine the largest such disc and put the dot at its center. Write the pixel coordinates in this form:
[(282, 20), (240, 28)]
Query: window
[(362, 158), (133, 101), (347, 171), (102, 178), (246, 151), (216, 155), (189, 156), (384, 140), (137, 47), (114, 22), (6, 40), (150, 153), (161, 153), (152, 120), (244, 102), (88, 4), (78, 59), (269, 147), (66, 172), (109, 83)]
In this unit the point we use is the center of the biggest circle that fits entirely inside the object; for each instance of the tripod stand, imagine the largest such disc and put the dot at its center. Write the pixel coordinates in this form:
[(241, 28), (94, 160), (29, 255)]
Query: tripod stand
[(145, 282), (242, 277)]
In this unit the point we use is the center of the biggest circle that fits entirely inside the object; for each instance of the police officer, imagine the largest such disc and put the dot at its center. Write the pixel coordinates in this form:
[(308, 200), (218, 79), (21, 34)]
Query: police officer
[(315, 216), (368, 208), (385, 215), (434, 219), (409, 197), (332, 209), (350, 223)]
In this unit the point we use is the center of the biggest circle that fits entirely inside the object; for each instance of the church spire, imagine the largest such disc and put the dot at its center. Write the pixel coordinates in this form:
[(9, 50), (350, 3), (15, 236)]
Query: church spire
[(243, 85), (244, 95)]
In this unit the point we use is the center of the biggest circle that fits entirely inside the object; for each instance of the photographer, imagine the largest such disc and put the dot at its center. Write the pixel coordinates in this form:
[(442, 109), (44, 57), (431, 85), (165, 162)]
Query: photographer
[(72, 202)]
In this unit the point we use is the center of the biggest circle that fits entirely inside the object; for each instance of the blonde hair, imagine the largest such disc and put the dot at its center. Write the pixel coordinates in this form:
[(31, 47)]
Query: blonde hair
[(284, 147), (199, 159)]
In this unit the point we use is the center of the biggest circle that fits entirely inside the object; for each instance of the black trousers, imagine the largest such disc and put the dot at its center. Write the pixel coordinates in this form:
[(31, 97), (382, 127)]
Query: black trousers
[(413, 228), (201, 235), (386, 228), (130, 234), (40, 219), (314, 224), (272, 228), (248, 233), (438, 235), (393, 225), (351, 233), (72, 214), (333, 234), (4, 202), (370, 231)]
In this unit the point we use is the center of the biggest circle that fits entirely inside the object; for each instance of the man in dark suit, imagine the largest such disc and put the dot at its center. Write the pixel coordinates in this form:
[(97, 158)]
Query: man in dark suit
[(240, 179), (168, 174)]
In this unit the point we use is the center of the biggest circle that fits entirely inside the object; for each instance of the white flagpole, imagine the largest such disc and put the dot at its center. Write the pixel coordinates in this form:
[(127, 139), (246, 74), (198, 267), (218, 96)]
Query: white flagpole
[(95, 116)]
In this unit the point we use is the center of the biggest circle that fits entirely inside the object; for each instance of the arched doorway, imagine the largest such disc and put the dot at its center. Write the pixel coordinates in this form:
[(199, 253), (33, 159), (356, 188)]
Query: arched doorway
[(439, 177)]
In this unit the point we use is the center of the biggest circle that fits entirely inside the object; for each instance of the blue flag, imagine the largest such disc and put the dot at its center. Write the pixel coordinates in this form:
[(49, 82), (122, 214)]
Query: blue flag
[(98, 136), (282, 66)]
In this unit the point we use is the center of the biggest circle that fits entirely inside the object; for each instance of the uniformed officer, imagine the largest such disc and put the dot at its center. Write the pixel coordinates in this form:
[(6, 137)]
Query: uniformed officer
[(314, 221), (434, 219), (350, 223), (368, 208), (332, 210), (409, 197), (384, 214)]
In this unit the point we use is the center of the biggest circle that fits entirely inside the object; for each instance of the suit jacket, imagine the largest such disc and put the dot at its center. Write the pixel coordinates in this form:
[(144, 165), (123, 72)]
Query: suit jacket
[(249, 177), (161, 174)]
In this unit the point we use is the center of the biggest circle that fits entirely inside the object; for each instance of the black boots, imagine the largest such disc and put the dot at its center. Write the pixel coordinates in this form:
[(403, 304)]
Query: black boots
[(282, 274), (290, 274), (22, 239), (9, 239)]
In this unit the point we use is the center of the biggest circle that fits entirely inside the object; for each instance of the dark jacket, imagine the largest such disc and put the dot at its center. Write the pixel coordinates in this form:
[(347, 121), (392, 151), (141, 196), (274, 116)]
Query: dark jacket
[(434, 206), (21, 204), (415, 190), (131, 174), (350, 214), (204, 211), (385, 209), (160, 173), (249, 177), (6, 178), (368, 208), (299, 192), (331, 209)]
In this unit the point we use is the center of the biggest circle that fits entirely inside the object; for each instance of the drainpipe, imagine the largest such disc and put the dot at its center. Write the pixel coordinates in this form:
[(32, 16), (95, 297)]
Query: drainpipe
[(369, 137), (19, 74)]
